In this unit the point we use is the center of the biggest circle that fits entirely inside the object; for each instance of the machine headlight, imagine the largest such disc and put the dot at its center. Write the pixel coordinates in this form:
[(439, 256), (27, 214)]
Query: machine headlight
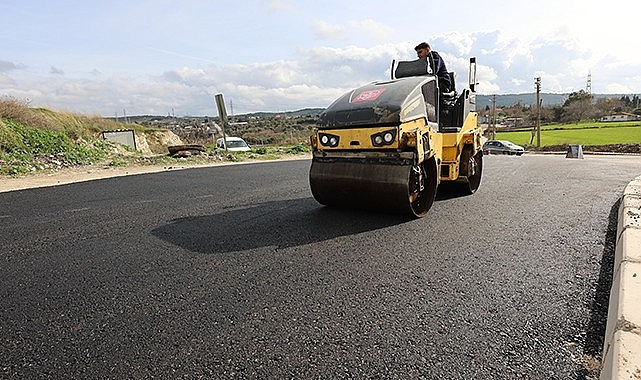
[(328, 140), (384, 138)]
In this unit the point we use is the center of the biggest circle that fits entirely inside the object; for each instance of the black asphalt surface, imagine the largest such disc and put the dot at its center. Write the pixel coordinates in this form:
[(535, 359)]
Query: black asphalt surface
[(237, 272)]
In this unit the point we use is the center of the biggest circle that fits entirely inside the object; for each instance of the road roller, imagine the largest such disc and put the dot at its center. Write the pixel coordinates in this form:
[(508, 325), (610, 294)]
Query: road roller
[(388, 145)]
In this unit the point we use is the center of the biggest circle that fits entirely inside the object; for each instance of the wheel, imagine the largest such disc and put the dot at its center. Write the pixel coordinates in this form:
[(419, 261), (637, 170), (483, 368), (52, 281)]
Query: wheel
[(423, 181), (471, 169)]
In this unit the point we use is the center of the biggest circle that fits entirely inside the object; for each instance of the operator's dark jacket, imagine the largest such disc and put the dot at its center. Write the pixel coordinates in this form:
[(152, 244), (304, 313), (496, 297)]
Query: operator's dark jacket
[(444, 82)]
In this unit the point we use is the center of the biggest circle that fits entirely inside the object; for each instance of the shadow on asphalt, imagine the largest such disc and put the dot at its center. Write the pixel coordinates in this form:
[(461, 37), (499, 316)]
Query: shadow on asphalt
[(449, 190), (599, 307), (283, 224)]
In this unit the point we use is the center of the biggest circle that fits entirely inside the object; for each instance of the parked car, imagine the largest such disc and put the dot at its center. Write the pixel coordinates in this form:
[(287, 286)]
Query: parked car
[(502, 147), (234, 144)]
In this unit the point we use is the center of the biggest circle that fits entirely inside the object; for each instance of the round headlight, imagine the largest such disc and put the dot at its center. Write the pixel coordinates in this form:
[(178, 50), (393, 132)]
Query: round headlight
[(388, 136), (333, 141), (324, 139), (378, 140)]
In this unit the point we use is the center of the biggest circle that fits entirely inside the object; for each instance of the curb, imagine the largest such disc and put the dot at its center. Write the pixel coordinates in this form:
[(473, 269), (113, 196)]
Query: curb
[(622, 345)]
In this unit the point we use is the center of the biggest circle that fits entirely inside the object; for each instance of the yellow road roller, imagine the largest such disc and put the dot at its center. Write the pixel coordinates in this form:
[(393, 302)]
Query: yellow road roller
[(388, 145)]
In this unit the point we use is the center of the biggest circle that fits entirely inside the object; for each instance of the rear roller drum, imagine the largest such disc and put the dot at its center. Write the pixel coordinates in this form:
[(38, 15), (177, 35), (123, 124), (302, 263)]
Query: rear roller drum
[(422, 186), (471, 169)]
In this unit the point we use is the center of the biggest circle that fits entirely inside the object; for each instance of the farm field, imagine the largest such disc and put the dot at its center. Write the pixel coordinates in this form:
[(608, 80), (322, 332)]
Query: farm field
[(582, 133)]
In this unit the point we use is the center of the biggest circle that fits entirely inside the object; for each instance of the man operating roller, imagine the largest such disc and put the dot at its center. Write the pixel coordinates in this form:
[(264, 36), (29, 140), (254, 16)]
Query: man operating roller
[(423, 50)]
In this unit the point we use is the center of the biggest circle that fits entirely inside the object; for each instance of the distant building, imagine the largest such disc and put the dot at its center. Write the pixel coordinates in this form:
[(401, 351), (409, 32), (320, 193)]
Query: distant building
[(623, 116), (513, 122)]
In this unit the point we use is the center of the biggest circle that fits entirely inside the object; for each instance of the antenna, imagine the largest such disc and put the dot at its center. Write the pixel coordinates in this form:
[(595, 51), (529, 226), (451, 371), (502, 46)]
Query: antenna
[(588, 85)]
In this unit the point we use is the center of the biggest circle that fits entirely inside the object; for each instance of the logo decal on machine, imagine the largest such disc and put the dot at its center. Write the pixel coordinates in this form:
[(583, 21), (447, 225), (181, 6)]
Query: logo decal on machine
[(367, 96)]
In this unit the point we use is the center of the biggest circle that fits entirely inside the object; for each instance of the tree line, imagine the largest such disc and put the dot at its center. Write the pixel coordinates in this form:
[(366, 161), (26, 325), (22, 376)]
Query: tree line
[(579, 106)]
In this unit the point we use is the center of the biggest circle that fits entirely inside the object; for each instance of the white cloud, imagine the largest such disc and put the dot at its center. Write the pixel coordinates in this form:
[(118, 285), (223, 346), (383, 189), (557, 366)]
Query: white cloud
[(8, 66), (353, 30), (6, 81), (457, 43), (56, 71), (374, 30), (278, 5), (314, 76), (617, 88), (326, 31)]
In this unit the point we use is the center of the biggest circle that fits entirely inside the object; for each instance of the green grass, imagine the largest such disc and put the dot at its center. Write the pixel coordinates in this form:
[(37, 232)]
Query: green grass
[(554, 135), (24, 149), (592, 124)]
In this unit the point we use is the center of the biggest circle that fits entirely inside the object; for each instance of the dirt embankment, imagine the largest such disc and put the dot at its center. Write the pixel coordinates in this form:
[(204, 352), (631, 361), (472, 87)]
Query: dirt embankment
[(156, 142)]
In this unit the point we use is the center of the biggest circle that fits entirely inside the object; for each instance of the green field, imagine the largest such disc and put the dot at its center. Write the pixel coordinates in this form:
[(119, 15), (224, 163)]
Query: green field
[(594, 133)]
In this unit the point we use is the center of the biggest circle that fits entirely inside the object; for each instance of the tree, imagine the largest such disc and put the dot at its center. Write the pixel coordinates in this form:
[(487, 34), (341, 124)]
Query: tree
[(608, 106), (578, 96), (578, 107)]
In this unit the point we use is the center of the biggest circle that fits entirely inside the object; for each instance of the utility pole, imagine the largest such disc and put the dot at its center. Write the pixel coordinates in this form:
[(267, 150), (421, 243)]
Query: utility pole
[(493, 119), (537, 83), (222, 113)]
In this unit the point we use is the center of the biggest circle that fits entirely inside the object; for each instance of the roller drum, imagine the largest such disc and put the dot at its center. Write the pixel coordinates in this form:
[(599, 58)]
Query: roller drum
[(380, 186)]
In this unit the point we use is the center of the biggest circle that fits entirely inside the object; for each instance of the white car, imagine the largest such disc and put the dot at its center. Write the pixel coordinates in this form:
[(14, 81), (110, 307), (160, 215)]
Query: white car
[(234, 144)]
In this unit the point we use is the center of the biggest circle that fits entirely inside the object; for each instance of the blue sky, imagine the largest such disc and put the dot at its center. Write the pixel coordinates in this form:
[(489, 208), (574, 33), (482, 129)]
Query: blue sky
[(159, 57)]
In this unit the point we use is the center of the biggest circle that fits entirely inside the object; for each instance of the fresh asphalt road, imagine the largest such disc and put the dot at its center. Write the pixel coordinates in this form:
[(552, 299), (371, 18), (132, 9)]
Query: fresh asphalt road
[(237, 272)]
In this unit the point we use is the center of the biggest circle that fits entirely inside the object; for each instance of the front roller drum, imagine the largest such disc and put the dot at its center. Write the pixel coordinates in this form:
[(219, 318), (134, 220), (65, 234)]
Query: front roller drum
[(389, 187)]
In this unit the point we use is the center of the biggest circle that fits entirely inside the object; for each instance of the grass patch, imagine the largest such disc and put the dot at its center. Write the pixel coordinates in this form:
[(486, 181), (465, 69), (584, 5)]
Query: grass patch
[(583, 136), (25, 149), (592, 125)]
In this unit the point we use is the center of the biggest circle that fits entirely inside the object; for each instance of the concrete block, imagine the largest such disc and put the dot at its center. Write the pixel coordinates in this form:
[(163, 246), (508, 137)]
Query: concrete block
[(624, 311), (623, 361), (628, 247), (634, 187), (630, 212), (574, 151)]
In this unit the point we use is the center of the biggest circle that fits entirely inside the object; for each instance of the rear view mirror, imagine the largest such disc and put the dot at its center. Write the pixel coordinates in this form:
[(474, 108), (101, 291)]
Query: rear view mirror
[(472, 81)]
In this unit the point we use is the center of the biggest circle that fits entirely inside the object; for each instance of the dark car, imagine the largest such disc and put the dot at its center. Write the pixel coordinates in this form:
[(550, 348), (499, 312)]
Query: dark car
[(502, 147)]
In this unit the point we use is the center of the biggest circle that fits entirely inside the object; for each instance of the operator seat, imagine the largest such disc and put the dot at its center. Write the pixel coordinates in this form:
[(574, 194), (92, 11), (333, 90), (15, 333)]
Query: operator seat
[(451, 108)]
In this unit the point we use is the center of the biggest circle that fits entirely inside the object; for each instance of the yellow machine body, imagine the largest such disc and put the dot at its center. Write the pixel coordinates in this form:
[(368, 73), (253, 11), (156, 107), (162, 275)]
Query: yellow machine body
[(388, 145)]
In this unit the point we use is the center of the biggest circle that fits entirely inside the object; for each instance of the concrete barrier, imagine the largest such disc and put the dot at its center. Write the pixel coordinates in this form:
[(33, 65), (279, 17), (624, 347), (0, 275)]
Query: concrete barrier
[(622, 344), (574, 151)]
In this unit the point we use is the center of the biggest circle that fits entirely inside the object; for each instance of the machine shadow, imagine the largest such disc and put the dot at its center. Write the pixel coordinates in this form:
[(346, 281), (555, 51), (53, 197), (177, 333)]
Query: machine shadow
[(283, 224), (447, 191)]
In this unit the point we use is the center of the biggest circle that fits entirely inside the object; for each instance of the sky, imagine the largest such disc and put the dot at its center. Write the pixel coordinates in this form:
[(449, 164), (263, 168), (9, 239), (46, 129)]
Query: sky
[(161, 57)]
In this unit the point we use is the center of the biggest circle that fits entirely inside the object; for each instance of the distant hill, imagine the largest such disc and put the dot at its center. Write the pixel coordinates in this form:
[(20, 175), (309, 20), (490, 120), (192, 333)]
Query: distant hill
[(300, 113), (482, 101), (529, 99), (507, 100), (502, 100)]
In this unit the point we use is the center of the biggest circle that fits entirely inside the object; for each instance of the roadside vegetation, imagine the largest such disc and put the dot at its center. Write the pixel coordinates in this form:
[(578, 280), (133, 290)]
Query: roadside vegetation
[(36, 140)]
